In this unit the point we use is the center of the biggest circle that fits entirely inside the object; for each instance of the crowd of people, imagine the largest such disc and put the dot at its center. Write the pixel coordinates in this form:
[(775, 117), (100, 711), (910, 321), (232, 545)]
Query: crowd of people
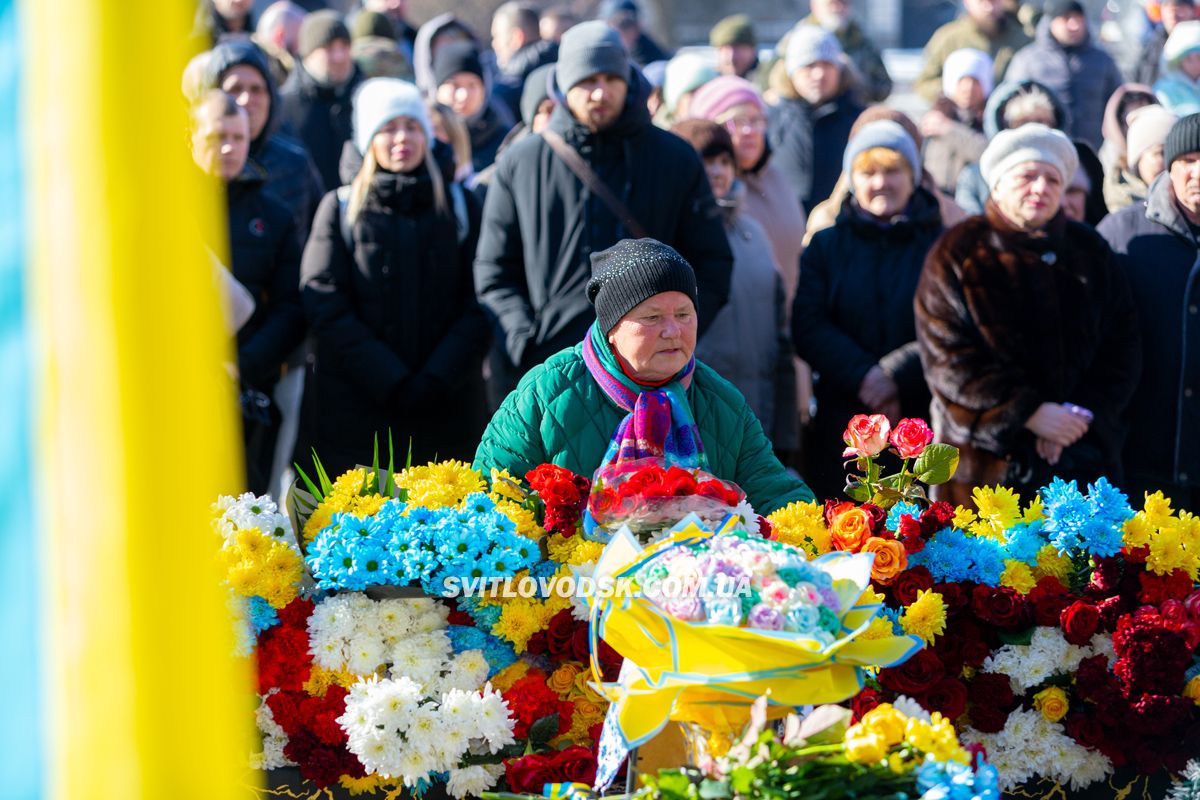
[(419, 217)]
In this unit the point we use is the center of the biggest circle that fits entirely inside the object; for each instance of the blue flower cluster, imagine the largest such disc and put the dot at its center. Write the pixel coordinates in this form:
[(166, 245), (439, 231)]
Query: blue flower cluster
[(953, 556), (402, 546), (898, 511), (953, 781), (261, 614), (1077, 524), (499, 654)]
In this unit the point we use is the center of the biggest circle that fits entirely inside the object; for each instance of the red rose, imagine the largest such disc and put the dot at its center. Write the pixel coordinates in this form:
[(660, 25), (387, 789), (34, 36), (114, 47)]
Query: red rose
[(559, 634), (878, 520), (954, 595), (999, 605), (575, 764), (610, 661), (1087, 730), (602, 503), (1079, 622), (1046, 586), (680, 483), (835, 508), (915, 676), (975, 653), (864, 701), (910, 437), (988, 719), (991, 689), (909, 583), (1047, 609), (948, 696), (545, 474), (527, 774), (579, 644)]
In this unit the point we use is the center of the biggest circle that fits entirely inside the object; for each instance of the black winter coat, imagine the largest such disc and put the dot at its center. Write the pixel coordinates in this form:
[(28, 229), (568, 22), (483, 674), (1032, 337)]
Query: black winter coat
[(398, 337), (1007, 321), (854, 310), (264, 249), (1160, 253), (808, 143), (541, 225), (510, 83), (487, 132), (321, 117)]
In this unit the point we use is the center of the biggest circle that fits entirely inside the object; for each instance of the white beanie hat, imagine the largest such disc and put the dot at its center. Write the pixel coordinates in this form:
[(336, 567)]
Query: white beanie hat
[(1031, 142), (1183, 40), (808, 44), (379, 101), (968, 63), (1148, 128), (686, 72)]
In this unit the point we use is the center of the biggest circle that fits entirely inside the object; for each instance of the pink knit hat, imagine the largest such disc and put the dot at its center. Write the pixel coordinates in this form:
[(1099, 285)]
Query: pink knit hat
[(721, 94)]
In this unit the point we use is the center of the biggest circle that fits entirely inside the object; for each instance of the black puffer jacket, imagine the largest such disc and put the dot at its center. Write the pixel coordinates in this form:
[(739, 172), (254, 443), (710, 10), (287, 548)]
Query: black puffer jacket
[(487, 131), (511, 80), (1161, 255), (541, 225), (854, 310), (399, 339), (808, 142), (265, 253), (321, 117)]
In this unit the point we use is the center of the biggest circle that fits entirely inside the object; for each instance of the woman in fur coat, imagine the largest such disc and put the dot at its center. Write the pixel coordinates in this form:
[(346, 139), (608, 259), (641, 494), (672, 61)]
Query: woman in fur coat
[(1027, 330)]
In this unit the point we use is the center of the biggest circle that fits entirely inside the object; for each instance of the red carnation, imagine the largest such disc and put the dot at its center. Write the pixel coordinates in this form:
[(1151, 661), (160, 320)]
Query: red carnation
[(1157, 589), (320, 763), (285, 710), (949, 696), (909, 531), (1079, 622), (915, 676), (530, 700), (937, 517), (1152, 658), (999, 605), (910, 583), (283, 659), (296, 613)]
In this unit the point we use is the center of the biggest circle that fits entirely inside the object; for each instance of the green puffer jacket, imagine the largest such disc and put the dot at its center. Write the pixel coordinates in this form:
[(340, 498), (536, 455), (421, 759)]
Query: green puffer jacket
[(560, 415)]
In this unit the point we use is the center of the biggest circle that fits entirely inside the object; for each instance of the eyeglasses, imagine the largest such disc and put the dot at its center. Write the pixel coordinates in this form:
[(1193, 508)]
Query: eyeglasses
[(746, 125)]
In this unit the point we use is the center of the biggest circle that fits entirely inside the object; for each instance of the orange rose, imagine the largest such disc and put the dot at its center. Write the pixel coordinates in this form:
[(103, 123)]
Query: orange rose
[(849, 528), (890, 558)]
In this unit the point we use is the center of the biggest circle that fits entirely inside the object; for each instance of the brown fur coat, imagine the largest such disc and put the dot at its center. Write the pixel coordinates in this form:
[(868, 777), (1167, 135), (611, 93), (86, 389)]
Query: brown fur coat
[(1007, 321)]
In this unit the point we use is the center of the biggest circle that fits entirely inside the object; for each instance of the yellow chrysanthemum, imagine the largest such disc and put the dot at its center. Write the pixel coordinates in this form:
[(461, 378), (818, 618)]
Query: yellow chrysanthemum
[(1138, 530), (963, 518), (1176, 546), (1192, 690), (1051, 563), (368, 785), (1157, 509), (871, 597), (926, 617), (1018, 576), (444, 483), (1033, 511), (353, 492), (586, 551), (880, 628), (522, 517), (520, 620), (320, 679), (257, 564), (985, 529), (506, 487), (864, 746), (802, 525), (503, 680), (998, 505)]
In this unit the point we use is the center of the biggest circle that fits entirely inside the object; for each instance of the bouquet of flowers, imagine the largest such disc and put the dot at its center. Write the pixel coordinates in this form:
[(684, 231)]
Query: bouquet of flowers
[(888, 754), (648, 497)]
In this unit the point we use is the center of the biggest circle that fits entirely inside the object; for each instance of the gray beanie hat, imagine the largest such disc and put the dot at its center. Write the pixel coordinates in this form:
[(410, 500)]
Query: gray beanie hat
[(588, 49), (380, 100), (808, 44), (883, 133), (631, 272), (1032, 142)]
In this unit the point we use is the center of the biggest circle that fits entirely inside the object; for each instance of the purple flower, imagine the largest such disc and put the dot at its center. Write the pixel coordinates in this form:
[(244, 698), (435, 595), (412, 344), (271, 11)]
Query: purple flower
[(766, 618), (685, 608)]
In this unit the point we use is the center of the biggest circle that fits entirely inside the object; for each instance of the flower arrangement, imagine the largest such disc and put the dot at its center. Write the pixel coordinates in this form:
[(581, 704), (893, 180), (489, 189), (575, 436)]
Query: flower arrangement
[(887, 754)]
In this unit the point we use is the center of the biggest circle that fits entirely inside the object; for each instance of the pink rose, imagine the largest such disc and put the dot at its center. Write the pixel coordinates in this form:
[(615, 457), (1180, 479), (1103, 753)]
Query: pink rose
[(910, 437), (866, 436)]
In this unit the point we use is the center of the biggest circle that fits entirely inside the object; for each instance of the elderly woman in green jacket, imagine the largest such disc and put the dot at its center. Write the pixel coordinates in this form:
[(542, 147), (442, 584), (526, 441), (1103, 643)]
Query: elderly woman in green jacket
[(633, 389)]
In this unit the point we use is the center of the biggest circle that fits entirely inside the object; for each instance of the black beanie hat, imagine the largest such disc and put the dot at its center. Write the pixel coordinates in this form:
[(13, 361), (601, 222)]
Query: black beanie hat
[(320, 29), (631, 272), (453, 58), (1183, 138), (1061, 8)]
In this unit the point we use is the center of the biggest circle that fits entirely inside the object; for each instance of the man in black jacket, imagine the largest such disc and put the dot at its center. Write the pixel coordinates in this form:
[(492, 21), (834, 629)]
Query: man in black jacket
[(519, 50), (239, 68), (264, 252), (541, 223), (1158, 244), (315, 104)]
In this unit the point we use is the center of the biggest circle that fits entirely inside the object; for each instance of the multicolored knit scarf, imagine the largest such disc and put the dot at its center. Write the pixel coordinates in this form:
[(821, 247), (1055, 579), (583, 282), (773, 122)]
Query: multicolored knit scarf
[(659, 423)]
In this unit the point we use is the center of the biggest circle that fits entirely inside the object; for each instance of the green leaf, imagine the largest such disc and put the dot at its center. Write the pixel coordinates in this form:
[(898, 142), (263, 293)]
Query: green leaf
[(714, 790), (857, 491), (322, 476), (1023, 636), (542, 731), (390, 488), (937, 464), (885, 498), (308, 484), (408, 461)]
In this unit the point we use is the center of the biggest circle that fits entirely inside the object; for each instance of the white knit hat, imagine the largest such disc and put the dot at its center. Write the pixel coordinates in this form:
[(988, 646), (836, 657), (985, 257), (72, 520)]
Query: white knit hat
[(808, 44), (1183, 40), (1148, 128), (968, 63), (1031, 142), (379, 101)]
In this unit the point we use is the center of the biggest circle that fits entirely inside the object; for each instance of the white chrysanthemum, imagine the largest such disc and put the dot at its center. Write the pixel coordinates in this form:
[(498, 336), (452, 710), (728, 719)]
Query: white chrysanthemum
[(581, 608), (495, 722), (394, 618), (1030, 744), (413, 766), (469, 782), (911, 708), (747, 517), (469, 670), (422, 668), (380, 752), (336, 617), (366, 654)]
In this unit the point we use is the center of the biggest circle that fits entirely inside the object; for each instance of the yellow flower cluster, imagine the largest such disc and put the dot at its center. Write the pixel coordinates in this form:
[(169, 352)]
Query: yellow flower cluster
[(320, 679), (964, 518), (503, 680), (1018, 576), (1173, 539), (572, 549), (1192, 690), (926, 617), (444, 483), (802, 525), (999, 509), (257, 564), (1051, 563), (885, 727), (371, 785), (354, 492), (1052, 702), (880, 628), (506, 487), (522, 617), (521, 516)]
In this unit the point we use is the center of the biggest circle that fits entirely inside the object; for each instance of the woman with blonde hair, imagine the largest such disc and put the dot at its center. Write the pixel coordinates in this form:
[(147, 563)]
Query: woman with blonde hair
[(387, 289)]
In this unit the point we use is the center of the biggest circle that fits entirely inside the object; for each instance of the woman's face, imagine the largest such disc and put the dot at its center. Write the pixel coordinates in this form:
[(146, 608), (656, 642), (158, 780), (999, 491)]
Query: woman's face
[(720, 174), (882, 192), (464, 93), (399, 146), (656, 339), (1029, 194), (1150, 165), (747, 126)]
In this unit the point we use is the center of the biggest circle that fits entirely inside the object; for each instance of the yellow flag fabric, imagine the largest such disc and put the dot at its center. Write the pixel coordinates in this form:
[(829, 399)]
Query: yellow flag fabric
[(137, 427)]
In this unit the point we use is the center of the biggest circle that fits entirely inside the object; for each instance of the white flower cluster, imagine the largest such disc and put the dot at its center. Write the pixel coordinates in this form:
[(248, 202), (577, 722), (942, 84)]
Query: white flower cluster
[(396, 730), (273, 738), (1047, 654), (231, 514), (1031, 745)]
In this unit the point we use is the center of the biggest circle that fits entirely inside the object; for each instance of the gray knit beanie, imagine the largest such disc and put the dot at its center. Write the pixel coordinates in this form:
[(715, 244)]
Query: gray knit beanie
[(1184, 138), (631, 272), (590, 48)]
